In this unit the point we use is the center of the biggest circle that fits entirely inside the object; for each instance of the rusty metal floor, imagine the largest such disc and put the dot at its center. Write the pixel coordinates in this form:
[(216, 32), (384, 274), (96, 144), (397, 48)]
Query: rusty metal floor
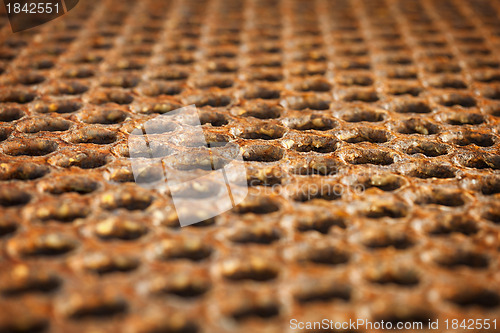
[(399, 98)]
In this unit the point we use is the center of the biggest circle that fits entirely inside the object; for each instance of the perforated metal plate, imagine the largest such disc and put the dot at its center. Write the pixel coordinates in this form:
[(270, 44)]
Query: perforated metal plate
[(399, 98)]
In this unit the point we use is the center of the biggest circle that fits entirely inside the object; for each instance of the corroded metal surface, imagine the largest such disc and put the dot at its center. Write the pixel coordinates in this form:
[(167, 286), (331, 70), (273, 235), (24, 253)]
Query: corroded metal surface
[(400, 98)]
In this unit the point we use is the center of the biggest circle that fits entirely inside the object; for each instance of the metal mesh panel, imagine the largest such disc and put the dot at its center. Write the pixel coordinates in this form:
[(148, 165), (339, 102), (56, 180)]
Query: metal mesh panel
[(400, 98)]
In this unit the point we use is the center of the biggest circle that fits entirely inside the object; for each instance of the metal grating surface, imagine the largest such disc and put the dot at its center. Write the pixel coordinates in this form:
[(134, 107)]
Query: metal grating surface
[(402, 97)]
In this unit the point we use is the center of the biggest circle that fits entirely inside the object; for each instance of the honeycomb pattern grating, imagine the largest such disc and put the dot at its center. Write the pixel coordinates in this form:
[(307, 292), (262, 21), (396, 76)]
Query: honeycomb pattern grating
[(399, 98)]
